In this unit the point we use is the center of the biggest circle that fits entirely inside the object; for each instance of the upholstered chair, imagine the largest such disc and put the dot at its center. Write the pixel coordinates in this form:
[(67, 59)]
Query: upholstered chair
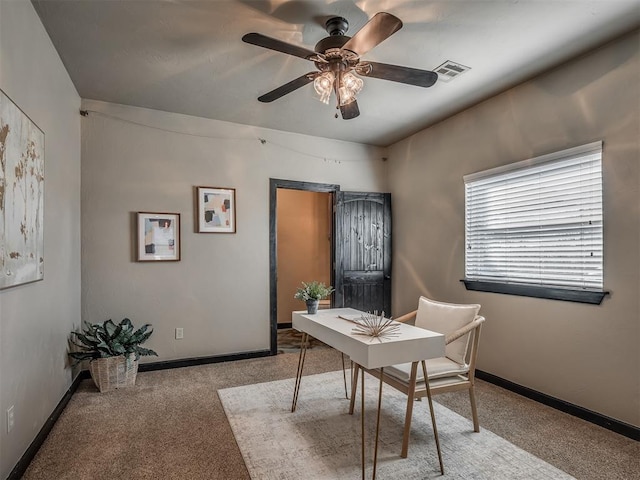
[(455, 371)]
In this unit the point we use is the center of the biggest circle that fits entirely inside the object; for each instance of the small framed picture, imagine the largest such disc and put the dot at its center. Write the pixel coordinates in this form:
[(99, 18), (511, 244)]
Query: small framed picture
[(158, 237), (216, 210)]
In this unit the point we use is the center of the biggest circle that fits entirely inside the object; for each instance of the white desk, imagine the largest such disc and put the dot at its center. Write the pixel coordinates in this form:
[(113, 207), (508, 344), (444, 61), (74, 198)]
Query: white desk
[(411, 344)]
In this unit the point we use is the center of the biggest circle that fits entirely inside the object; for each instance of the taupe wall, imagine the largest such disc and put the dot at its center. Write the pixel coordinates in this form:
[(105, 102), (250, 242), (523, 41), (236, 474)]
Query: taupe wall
[(304, 245), (219, 291), (583, 354), (35, 319)]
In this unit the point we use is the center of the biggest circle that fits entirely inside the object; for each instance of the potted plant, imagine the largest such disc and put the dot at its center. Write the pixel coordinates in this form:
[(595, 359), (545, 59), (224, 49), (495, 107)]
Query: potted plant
[(312, 293), (113, 352)]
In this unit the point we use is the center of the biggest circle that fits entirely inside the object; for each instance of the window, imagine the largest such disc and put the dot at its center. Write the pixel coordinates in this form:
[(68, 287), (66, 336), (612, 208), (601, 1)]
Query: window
[(534, 228)]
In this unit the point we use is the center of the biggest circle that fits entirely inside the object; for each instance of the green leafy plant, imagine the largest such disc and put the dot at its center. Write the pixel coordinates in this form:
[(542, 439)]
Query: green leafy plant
[(313, 291), (99, 340)]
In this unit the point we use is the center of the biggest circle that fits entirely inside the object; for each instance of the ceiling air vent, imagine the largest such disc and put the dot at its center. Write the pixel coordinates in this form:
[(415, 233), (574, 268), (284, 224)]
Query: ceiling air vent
[(450, 70)]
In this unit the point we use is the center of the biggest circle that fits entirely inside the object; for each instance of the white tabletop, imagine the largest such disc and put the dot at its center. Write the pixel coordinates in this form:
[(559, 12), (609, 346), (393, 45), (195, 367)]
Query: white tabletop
[(411, 343)]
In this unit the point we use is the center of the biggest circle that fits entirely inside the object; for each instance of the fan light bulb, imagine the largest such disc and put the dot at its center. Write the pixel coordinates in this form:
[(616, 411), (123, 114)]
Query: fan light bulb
[(352, 83), (324, 85), (349, 88)]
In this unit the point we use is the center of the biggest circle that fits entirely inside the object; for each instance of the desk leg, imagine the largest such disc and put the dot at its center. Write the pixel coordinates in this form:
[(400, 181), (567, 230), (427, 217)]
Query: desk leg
[(375, 451), (354, 386), (362, 415), (344, 375), (409, 411), (362, 420), (433, 415), (303, 352)]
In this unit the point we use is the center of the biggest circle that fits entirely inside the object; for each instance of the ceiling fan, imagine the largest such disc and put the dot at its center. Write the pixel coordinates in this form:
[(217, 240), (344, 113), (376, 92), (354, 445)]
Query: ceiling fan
[(338, 57)]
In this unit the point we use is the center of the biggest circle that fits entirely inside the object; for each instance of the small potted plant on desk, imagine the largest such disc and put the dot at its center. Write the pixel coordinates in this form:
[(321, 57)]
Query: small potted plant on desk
[(312, 293), (113, 352)]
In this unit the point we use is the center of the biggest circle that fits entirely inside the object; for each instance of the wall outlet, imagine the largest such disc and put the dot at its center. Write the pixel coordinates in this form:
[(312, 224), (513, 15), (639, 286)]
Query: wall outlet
[(179, 333), (10, 419)]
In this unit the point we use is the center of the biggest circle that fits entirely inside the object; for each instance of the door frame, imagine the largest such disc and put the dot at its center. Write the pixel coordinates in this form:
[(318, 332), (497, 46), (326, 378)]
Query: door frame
[(274, 185)]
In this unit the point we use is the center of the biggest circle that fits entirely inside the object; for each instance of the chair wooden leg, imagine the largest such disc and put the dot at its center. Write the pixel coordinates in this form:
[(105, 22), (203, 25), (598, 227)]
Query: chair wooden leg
[(407, 418), (474, 409), (354, 386)]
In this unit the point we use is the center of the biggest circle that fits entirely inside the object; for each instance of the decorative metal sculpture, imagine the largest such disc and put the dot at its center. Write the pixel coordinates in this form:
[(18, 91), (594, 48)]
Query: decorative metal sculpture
[(376, 326)]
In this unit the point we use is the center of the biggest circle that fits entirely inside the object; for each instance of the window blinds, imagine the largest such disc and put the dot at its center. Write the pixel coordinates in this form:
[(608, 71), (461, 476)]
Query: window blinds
[(537, 222)]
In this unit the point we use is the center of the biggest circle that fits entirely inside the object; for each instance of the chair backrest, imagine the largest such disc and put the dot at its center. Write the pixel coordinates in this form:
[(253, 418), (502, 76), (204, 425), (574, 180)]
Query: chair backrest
[(445, 318)]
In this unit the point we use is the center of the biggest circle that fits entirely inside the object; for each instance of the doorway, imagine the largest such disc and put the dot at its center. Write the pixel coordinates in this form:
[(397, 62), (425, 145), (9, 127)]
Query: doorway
[(359, 259), (304, 231), (301, 244)]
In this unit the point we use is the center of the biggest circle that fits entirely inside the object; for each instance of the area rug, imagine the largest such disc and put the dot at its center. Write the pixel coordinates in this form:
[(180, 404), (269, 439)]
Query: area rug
[(320, 440)]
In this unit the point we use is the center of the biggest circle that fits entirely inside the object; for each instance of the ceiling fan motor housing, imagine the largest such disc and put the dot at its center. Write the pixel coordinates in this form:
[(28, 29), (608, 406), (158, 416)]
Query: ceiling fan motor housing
[(327, 43), (336, 26)]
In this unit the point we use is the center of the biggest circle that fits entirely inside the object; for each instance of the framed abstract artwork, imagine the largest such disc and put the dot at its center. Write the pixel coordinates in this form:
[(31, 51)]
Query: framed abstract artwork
[(21, 197), (216, 210), (158, 237)]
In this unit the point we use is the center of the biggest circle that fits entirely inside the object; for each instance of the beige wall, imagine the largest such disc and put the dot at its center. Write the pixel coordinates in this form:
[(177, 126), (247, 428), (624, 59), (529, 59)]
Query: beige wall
[(35, 319), (587, 355), (304, 245), (219, 291)]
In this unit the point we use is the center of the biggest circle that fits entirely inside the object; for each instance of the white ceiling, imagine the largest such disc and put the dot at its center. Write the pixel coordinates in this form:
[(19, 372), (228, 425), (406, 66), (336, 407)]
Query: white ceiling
[(188, 57)]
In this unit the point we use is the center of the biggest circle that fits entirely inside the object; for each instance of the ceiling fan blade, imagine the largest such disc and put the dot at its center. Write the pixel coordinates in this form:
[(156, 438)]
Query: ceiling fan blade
[(381, 26), (277, 45), (350, 110), (288, 87), (396, 73)]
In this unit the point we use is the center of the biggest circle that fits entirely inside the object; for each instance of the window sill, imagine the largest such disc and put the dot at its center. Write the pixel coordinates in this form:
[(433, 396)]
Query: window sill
[(552, 293)]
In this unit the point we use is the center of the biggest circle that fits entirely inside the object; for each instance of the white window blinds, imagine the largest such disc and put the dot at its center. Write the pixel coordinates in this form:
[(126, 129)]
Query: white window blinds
[(537, 222)]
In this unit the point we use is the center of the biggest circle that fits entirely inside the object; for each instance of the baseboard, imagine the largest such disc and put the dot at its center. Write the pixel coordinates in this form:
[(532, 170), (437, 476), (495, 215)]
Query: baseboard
[(191, 362), (282, 326), (609, 423), (21, 467)]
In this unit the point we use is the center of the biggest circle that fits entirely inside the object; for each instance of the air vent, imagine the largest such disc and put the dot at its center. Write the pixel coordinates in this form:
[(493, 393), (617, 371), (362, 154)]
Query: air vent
[(450, 70)]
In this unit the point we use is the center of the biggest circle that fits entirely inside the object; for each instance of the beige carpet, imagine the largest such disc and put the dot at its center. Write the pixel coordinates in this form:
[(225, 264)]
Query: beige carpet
[(321, 441), (171, 425)]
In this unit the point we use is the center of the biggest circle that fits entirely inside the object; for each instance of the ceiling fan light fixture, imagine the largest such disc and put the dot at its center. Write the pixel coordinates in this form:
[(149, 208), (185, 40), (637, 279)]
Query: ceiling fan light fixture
[(323, 85)]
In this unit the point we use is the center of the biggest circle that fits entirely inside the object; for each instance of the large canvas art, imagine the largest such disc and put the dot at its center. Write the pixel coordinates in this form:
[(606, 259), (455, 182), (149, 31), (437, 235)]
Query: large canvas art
[(21, 197)]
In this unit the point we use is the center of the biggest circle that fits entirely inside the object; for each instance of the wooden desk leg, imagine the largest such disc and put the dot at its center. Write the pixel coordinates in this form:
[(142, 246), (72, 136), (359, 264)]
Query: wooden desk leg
[(433, 415), (362, 420), (303, 352), (375, 451)]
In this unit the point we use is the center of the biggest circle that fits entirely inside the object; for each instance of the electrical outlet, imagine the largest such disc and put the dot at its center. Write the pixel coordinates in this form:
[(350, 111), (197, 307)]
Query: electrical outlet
[(10, 419), (179, 333)]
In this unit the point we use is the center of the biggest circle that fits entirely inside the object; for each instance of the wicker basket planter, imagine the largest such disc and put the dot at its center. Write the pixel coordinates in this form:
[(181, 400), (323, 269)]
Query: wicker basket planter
[(112, 350), (114, 372)]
